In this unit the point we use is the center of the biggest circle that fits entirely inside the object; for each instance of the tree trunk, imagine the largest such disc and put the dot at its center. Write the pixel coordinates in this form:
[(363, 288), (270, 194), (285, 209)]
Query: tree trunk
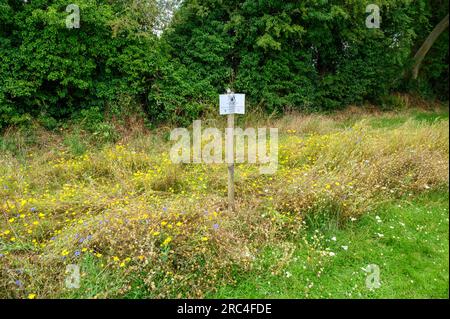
[(422, 52)]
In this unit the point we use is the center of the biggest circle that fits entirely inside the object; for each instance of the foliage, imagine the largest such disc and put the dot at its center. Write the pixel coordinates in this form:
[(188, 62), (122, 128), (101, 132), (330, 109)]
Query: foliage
[(49, 70), (433, 81), (304, 55), (301, 54)]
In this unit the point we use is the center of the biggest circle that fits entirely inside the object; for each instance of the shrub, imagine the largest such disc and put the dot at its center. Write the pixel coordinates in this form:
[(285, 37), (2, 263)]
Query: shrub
[(51, 71), (304, 55)]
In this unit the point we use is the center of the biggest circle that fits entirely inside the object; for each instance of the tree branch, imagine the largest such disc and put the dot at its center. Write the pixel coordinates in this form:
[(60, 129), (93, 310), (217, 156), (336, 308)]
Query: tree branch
[(422, 52)]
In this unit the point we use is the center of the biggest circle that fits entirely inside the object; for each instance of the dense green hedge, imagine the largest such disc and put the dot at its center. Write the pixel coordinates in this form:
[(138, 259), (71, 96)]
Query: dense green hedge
[(51, 72), (305, 54), (311, 54)]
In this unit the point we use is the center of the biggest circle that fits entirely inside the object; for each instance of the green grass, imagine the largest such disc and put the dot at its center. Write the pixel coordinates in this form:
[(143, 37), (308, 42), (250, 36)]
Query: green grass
[(388, 122), (104, 282), (413, 257), (431, 117), (400, 119), (96, 281), (392, 120)]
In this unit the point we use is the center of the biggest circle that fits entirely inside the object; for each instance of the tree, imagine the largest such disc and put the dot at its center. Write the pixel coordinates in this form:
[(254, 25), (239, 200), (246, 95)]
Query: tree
[(50, 71), (295, 54), (426, 46)]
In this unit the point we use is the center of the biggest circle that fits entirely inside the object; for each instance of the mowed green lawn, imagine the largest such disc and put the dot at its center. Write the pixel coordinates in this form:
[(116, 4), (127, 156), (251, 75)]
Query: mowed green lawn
[(408, 240)]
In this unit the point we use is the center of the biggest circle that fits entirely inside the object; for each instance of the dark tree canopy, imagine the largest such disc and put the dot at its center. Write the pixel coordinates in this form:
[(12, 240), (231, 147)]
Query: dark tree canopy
[(284, 54), (300, 54)]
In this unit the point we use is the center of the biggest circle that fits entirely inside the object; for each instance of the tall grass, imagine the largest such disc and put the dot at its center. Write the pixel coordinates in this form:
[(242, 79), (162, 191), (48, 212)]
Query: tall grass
[(140, 226)]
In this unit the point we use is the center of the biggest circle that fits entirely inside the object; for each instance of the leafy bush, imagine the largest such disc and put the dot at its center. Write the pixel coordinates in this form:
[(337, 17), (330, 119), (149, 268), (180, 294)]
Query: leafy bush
[(51, 71), (179, 96), (303, 54)]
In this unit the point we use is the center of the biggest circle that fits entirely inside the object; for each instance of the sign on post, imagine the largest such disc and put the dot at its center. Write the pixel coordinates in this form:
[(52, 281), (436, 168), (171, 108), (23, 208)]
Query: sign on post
[(231, 104)]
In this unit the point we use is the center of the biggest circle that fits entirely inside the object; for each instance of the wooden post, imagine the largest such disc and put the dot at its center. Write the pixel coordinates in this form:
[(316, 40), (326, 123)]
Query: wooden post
[(230, 146)]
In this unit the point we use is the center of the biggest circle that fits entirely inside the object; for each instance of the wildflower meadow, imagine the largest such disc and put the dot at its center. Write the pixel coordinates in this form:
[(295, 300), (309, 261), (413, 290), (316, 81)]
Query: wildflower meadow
[(136, 225)]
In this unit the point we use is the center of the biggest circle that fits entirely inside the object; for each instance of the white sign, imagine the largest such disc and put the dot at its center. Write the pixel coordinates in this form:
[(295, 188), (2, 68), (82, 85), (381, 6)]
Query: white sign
[(232, 104)]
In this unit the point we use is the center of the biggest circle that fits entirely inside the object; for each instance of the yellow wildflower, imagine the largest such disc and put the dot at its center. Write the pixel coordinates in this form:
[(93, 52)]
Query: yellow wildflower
[(166, 241)]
